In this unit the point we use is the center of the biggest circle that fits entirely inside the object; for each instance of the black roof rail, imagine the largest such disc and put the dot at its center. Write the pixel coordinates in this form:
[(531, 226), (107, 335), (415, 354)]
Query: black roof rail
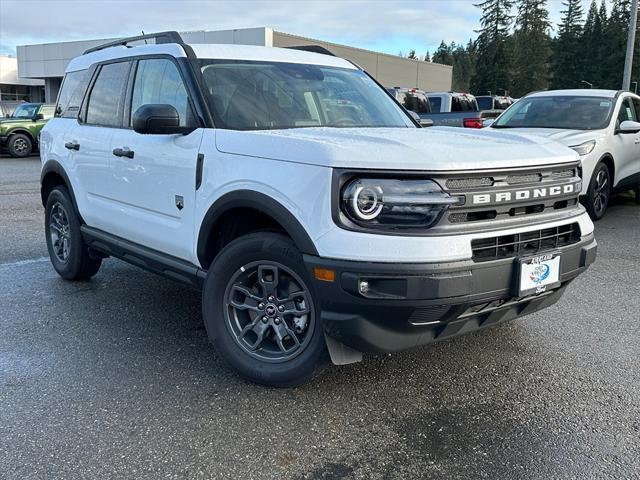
[(313, 49), (160, 37)]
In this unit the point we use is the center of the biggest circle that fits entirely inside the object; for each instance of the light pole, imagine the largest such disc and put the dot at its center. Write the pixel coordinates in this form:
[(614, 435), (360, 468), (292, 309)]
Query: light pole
[(631, 38), (587, 83)]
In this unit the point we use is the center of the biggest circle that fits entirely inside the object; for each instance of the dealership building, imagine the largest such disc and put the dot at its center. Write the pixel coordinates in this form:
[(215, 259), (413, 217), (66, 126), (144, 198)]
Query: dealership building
[(14, 88), (47, 62)]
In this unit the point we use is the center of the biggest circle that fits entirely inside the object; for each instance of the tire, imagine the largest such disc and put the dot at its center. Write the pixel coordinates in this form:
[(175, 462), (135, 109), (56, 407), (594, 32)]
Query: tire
[(73, 260), (637, 192), (20, 145), (599, 193), (250, 282)]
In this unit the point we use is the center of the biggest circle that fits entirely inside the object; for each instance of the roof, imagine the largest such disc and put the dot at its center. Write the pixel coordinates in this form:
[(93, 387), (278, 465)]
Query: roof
[(211, 51), (577, 92)]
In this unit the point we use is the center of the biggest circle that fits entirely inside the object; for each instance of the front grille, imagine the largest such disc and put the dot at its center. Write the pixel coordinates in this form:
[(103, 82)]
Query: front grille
[(520, 179), (459, 183), (526, 243)]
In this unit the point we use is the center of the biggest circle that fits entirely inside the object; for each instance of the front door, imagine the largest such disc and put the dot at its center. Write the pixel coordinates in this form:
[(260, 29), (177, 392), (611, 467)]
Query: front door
[(153, 176), (626, 146)]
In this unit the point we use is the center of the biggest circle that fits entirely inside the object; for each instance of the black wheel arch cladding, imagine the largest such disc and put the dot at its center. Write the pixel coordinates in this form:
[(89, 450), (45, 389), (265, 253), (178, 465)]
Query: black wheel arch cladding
[(262, 203)]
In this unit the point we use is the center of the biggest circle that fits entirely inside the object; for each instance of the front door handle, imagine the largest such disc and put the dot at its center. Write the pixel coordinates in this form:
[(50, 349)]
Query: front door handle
[(72, 146), (123, 152), (636, 141)]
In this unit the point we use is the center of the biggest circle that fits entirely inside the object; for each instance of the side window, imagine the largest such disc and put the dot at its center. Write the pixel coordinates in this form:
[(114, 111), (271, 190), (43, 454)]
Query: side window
[(456, 104), (46, 111), (71, 94), (105, 100), (626, 111), (636, 104), (158, 81)]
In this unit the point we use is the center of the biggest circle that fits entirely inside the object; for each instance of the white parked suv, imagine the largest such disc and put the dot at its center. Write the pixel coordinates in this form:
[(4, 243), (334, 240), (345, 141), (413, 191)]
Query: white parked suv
[(319, 219), (603, 126)]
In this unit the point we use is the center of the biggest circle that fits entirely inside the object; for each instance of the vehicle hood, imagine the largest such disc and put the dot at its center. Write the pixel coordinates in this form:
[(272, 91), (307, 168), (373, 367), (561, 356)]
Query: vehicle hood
[(566, 137), (435, 148)]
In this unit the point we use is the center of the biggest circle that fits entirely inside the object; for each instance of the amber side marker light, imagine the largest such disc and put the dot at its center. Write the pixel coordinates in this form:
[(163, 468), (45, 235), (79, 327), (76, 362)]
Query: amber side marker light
[(324, 274)]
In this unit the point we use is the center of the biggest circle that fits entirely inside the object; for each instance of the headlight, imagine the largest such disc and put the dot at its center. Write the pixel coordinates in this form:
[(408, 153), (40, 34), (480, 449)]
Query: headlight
[(585, 148), (395, 204)]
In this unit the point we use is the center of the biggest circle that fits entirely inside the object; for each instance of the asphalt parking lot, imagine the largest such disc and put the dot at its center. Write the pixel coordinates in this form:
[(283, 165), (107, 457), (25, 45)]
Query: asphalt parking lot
[(115, 378)]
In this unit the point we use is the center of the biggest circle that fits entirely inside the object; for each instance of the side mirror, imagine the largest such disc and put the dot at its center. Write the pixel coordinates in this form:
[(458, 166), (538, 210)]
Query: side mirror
[(414, 115), (38, 116), (157, 119), (426, 122), (629, 127)]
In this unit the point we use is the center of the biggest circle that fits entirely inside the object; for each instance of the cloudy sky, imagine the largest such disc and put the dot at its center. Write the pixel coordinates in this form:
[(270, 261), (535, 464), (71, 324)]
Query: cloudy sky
[(382, 25)]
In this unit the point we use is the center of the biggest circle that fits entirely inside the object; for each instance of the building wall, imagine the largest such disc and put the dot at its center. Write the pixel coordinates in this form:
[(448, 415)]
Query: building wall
[(15, 88), (49, 61), (389, 70)]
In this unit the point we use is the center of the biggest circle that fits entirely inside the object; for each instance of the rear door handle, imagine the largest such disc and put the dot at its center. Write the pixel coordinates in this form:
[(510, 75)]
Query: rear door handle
[(72, 146), (637, 141), (123, 152)]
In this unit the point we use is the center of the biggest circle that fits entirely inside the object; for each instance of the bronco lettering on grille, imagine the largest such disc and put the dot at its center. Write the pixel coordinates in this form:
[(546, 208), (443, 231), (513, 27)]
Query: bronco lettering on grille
[(525, 194)]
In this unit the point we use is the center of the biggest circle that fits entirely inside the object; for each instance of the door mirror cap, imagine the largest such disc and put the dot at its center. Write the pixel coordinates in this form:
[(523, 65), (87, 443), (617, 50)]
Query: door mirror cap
[(629, 127), (426, 122), (38, 116), (157, 119)]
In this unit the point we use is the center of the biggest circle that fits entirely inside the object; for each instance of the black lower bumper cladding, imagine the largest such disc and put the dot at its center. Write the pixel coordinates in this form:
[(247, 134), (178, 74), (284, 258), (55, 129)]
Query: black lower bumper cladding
[(407, 305)]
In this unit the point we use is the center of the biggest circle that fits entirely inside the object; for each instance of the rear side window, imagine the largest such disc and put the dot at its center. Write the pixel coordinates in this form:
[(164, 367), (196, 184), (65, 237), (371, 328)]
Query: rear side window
[(436, 103), (416, 102), (71, 94), (158, 81), (636, 104), (462, 103), (485, 103), (105, 100), (626, 111)]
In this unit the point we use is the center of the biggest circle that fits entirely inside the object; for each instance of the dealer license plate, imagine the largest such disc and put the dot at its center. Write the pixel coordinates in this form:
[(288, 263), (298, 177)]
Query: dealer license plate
[(539, 274)]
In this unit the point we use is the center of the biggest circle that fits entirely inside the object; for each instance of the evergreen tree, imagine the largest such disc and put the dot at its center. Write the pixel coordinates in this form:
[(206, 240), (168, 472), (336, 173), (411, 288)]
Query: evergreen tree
[(594, 44), (443, 55), (427, 57), (531, 47), (463, 69), (616, 43), (412, 55), (493, 57), (567, 49)]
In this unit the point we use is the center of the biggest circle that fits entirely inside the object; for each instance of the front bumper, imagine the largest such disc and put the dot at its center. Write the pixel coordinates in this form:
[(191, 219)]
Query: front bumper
[(416, 304)]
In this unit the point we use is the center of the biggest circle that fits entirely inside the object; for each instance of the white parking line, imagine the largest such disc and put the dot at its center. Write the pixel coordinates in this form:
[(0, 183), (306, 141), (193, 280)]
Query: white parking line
[(29, 261)]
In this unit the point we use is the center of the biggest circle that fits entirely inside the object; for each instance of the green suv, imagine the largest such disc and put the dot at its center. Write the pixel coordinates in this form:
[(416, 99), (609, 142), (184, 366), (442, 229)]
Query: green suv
[(19, 133)]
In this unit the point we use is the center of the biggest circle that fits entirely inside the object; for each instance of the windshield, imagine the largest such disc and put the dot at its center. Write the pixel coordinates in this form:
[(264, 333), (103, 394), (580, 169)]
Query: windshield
[(249, 95), (566, 112), (25, 111)]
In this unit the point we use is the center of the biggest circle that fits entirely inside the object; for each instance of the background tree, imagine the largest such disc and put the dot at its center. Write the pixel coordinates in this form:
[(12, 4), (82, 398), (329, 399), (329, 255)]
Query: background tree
[(427, 57), (412, 54), (616, 44), (594, 43), (493, 56), (531, 47), (443, 54), (567, 56)]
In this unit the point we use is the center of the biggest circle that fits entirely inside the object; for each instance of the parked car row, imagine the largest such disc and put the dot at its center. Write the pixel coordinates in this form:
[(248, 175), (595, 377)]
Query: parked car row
[(449, 109)]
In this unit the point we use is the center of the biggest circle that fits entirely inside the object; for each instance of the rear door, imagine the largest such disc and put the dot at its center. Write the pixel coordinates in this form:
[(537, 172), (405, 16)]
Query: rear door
[(626, 146), (89, 141), (154, 186)]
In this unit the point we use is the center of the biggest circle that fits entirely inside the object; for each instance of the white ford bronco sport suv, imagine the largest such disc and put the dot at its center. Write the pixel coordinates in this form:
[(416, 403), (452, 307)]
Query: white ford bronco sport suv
[(320, 221)]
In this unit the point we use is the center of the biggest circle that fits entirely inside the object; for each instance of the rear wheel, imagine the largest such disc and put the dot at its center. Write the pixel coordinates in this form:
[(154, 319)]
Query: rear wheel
[(19, 145), (599, 192), (69, 254), (260, 312)]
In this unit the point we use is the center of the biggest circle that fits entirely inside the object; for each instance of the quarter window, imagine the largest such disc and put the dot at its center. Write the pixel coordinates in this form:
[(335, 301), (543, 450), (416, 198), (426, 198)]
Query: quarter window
[(626, 111), (105, 100), (46, 111), (71, 94), (158, 81)]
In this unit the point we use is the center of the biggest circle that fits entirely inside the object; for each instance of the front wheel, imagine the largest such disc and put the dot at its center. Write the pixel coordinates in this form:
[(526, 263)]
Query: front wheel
[(69, 254), (599, 192), (260, 311), (19, 145)]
